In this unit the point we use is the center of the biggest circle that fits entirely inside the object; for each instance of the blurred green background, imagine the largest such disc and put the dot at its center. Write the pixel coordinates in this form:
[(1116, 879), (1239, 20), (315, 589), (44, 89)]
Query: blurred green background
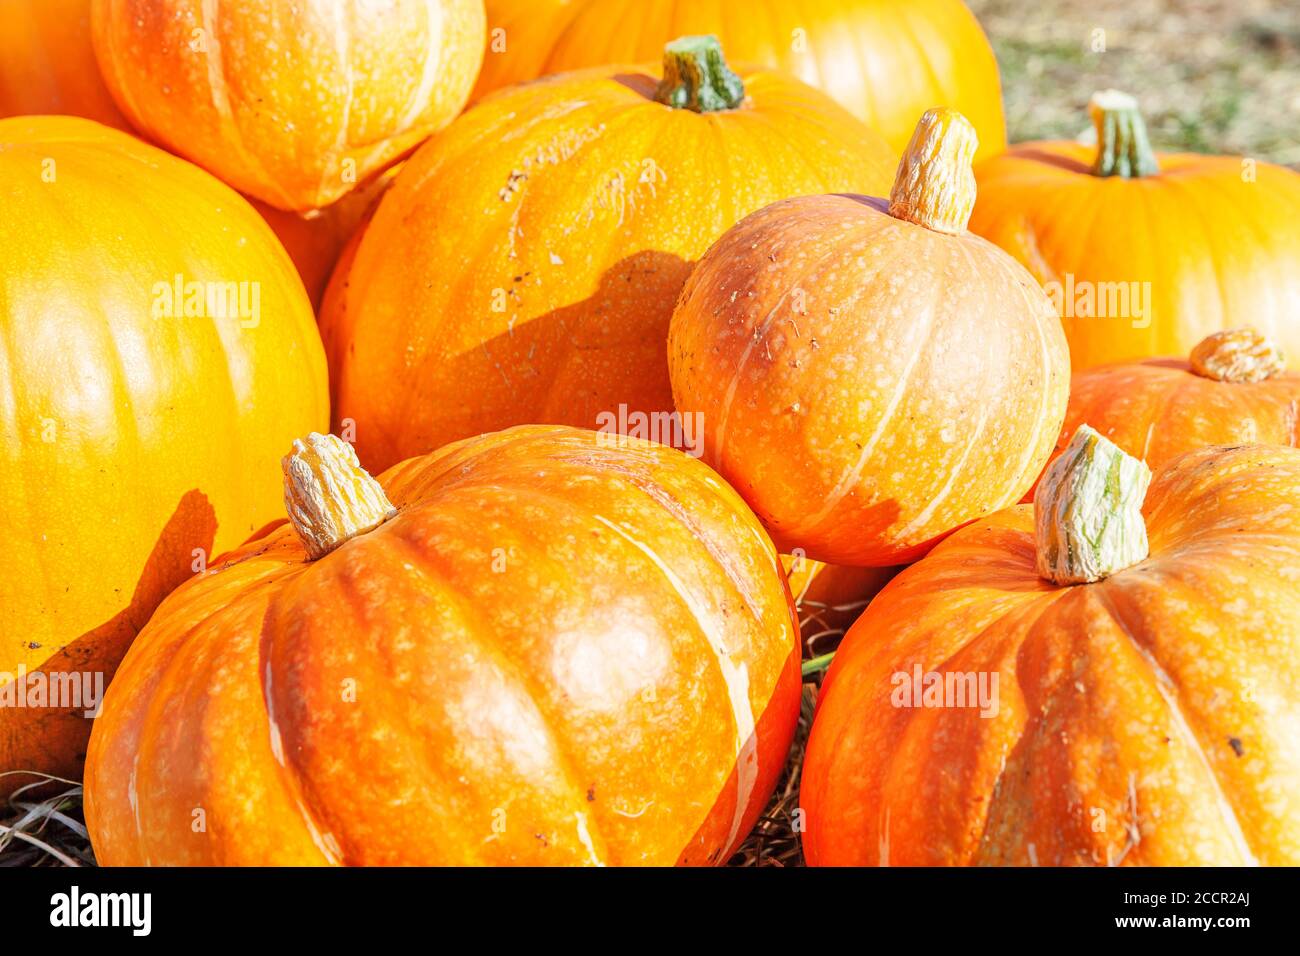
[(1213, 76)]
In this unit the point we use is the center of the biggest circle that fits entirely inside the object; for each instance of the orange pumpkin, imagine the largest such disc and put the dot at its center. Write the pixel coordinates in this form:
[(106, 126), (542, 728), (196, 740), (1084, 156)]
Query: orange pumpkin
[(881, 60), (869, 374), (294, 109), (1232, 390), (1146, 253), (47, 63), (316, 241), (981, 713), (524, 265), (137, 422), (550, 648)]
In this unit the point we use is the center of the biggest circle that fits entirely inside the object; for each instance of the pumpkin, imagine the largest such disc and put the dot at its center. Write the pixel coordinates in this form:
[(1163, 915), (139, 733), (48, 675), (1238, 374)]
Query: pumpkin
[(1088, 680), (47, 63), (881, 60), (545, 235), (1233, 389), (160, 353), (1144, 253), (297, 108), (869, 374), (316, 241), (830, 597), (538, 646)]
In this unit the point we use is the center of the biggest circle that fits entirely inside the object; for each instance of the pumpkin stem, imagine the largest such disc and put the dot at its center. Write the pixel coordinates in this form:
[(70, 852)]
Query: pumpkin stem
[(1088, 511), (1122, 145), (935, 186), (328, 495), (1237, 355), (696, 77)]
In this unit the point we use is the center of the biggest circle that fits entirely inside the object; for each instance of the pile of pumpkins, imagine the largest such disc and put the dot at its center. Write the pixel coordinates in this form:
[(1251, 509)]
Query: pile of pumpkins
[(880, 337)]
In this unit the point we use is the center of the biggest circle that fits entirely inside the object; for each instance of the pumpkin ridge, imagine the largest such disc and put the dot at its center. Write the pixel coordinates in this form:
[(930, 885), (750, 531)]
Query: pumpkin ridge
[(560, 744), (216, 76), (764, 327), (849, 478), (1031, 452), (1261, 240), (1168, 691)]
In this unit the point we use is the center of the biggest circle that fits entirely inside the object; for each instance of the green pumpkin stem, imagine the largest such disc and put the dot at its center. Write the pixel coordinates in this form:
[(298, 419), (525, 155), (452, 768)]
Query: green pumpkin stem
[(1088, 511), (697, 78), (1122, 145)]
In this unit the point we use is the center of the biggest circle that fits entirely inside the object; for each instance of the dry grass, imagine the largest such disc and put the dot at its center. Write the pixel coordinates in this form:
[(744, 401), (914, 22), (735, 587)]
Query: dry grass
[(1213, 76), (43, 828)]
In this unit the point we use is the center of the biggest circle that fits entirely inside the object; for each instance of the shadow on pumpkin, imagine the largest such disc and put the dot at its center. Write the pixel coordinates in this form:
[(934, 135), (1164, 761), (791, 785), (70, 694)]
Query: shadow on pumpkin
[(53, 740), (562, 367)]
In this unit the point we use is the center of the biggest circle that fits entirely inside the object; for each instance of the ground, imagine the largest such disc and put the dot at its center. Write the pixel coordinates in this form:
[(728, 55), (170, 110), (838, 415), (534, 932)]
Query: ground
[(1213, 76)]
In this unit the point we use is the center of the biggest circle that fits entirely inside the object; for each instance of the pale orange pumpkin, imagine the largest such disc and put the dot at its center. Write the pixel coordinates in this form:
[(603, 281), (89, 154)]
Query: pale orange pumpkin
[(47, 63), (883, 61), (297, 108), (1146, 253), (1140, 676), (523, 266), (869, 374), (551, 647), (1233, 389), (136, 425)]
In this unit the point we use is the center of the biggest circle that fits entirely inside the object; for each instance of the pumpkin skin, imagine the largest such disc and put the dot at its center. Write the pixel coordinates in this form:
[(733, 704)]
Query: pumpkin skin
[(637, 618), (545, 236), (867, 383), (126, 439), (47, 63), (1158, 409), (316, 241), (1147, 719), (297, 108), (885, 62), (1216, 249)]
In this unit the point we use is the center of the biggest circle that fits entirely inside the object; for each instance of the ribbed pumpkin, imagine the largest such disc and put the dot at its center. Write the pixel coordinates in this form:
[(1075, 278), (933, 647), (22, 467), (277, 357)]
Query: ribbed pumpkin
[(882, 60), (1233, 389), (1147, 253), (550, 648), (47, 64), (524, 265), (294, 106), (1146, 719), (135, 431), (869, 374)]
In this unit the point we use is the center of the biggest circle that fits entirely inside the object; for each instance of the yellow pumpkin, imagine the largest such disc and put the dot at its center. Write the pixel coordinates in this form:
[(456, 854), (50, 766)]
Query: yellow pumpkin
[(158, 353)]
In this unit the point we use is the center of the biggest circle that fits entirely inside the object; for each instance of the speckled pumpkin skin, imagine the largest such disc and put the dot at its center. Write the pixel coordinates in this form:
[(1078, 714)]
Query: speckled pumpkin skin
[(560, 651), (294, 104), (867, 384), (544, 237), (1147, 720), (1159, 409)]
